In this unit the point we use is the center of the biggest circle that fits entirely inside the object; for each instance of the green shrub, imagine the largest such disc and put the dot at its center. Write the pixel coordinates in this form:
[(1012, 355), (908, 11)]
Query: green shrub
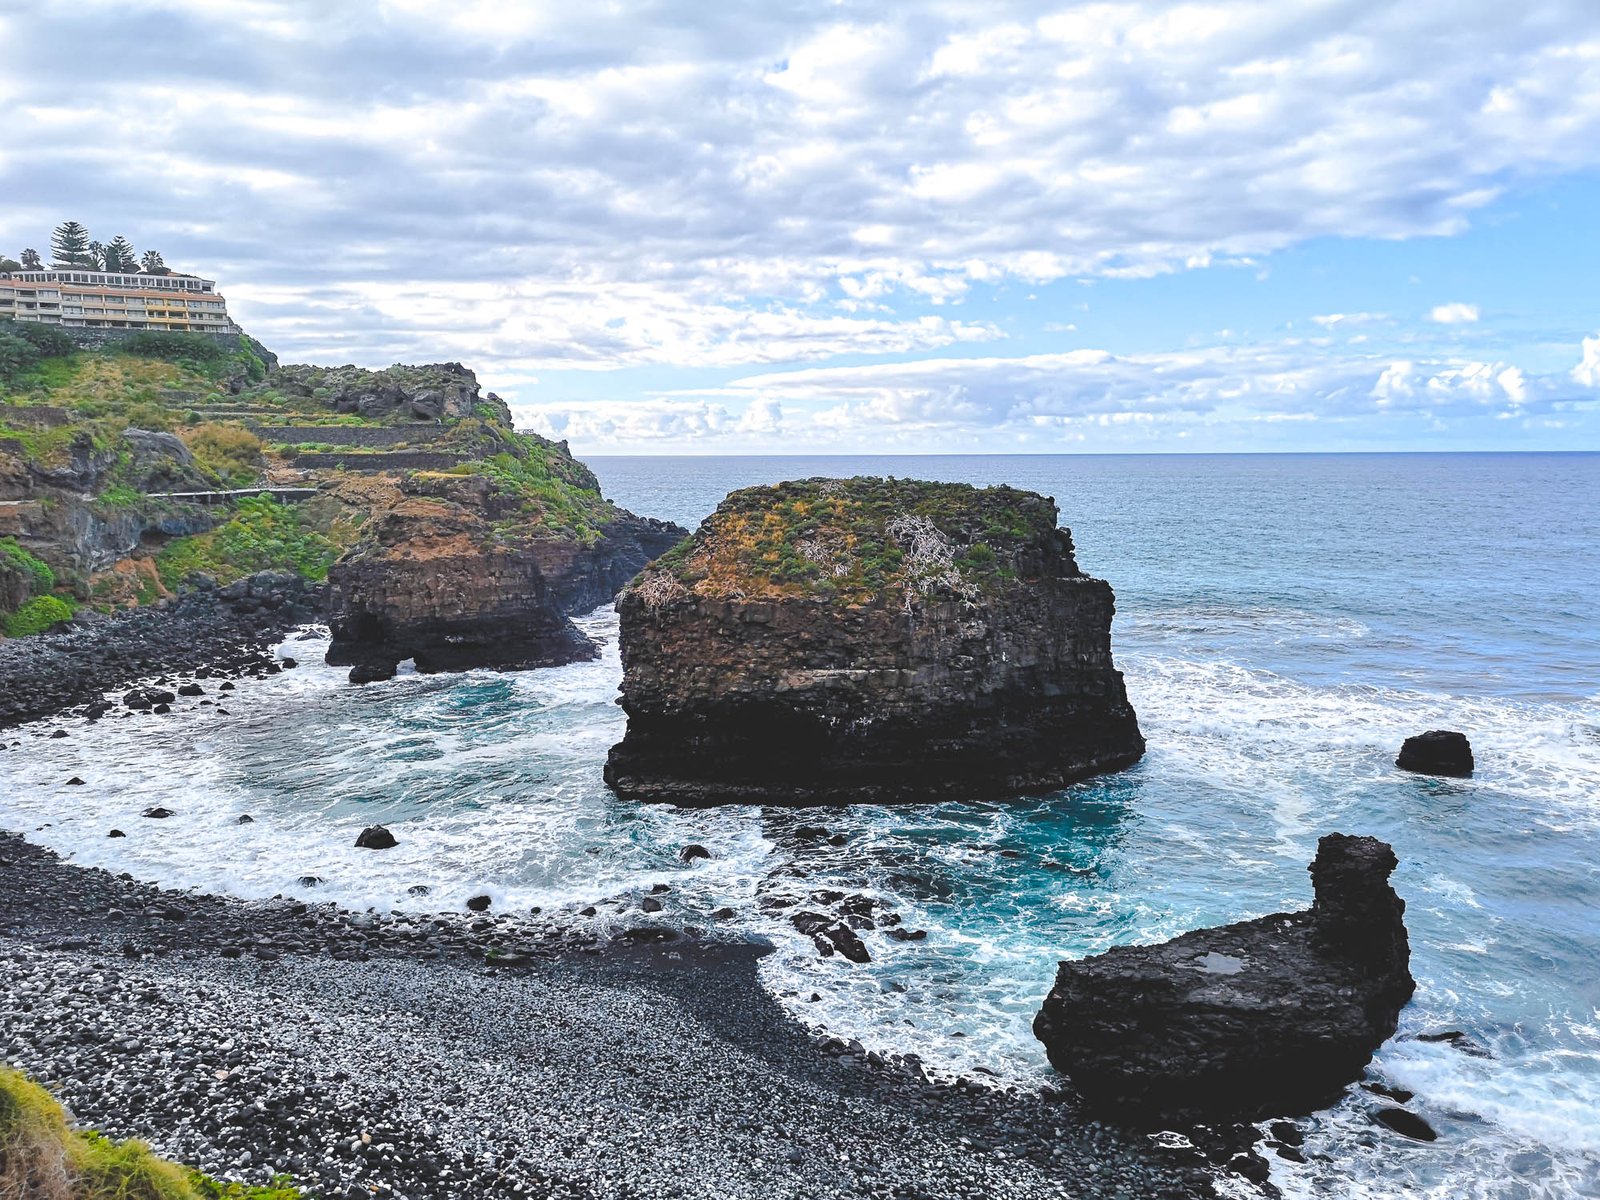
[(42, 578), (230, 452), (263, 535), (37, 615), (174, 347)]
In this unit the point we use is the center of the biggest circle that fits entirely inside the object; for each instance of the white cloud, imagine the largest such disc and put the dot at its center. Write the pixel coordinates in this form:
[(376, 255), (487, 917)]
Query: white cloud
[(727, 168), (1587, 372), (1454, 314), (1046, 401)]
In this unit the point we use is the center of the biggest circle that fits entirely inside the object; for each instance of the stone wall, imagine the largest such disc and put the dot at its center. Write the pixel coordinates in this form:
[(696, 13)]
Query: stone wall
[(371, 437), (403, 460)]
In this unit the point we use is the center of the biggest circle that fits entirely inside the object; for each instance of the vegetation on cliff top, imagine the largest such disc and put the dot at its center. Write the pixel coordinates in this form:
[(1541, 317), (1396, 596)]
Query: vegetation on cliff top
[(42, 1157), (70, 418), (856, 540)]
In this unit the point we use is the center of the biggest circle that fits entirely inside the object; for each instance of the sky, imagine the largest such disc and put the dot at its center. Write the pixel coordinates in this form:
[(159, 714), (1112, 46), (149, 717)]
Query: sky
[(833, 226)]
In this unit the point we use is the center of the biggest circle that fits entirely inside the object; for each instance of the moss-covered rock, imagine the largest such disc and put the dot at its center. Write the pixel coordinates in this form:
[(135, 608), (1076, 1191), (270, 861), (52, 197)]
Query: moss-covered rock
[(866, 640)]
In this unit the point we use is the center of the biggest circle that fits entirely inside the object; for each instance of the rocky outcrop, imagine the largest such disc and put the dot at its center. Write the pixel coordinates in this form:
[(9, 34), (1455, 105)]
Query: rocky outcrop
[(455, 574), (437, 392), (1437, 752), (867, 641), (1267, 1017)]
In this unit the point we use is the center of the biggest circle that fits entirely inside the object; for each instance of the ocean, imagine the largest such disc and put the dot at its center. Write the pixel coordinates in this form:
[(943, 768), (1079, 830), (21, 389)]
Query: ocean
[(1284, 622)]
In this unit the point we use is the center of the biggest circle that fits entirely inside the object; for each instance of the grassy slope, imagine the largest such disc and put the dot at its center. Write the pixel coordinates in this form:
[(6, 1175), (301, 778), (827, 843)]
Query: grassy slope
[(42, 1157)]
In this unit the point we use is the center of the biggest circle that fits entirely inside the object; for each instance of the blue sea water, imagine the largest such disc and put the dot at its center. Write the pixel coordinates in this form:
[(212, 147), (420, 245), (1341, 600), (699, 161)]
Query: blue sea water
[(1284, 621)]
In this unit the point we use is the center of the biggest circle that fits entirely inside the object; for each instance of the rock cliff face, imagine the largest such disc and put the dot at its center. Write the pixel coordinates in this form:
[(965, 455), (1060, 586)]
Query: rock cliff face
[(865, 641), (1270, 1017), (455, 572)]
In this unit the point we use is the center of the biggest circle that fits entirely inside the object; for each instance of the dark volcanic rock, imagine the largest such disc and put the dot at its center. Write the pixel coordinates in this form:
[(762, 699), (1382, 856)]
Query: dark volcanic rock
[(1437, 752), (1267, 1017), (376, 837), (869, 640), (438, 579), (1406, 1123), (201, 629)]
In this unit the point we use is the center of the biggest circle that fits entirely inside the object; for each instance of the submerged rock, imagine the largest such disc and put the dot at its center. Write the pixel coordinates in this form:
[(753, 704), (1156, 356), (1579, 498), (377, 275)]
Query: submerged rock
[(1267, 1017), (869, 640), (1437, 752)]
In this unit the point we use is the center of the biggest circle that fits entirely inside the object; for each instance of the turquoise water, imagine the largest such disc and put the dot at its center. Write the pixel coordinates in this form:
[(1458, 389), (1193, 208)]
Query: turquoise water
[(1283, 621)]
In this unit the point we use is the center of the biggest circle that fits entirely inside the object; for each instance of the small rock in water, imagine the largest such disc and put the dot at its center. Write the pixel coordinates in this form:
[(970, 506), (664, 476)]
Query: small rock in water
[(191, 689), (376, 837), (60, 733), (286, 661), (372, 672), (1437, 752), (310, 880), (1406, 1124), (650, 904), (116, 833), (693, 851), (245, 819), (158, 813), (478, 904), (75, 782), (418, 889), (226, 686), (1459, 1041)]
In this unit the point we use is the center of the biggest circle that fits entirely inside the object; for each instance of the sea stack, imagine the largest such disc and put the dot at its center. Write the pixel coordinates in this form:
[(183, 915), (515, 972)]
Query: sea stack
[(1271, 1017), (869, 641)]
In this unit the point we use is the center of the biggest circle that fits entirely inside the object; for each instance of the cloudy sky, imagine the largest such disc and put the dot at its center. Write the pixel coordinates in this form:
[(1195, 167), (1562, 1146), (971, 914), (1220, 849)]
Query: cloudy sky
[(831, 225)]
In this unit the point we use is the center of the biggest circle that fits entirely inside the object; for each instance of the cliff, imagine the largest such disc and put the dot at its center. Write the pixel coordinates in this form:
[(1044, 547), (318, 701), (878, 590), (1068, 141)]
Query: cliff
[(168, 463), (869, 640), (1271, 1017)]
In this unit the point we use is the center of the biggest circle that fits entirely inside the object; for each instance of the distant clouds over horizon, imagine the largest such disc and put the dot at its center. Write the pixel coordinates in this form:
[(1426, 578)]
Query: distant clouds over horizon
[(841, 226)]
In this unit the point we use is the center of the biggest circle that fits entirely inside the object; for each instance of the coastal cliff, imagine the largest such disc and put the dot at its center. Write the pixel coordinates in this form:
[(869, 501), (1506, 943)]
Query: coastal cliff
[(421, 522), (869, 640)]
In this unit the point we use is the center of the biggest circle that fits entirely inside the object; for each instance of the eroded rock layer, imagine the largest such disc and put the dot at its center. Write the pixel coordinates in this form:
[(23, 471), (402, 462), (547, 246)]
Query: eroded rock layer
[(1271, 1017), (869, 640)]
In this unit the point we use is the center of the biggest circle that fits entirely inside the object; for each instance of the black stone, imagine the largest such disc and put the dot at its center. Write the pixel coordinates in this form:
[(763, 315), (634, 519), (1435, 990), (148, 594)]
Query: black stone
[(1406, 1123), (376, 837), (479, 904), (1437, 752), (116, 833), (693, 851), (158, 812)]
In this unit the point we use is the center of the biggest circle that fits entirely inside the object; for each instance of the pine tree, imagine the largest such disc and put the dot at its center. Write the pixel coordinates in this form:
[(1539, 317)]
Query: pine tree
[(31, 261), (69, 245), (120, 255), (151, 263), (97, 256)]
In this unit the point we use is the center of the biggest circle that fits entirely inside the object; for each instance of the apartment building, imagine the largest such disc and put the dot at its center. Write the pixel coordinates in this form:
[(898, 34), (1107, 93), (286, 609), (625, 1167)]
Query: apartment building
[(113, 300)]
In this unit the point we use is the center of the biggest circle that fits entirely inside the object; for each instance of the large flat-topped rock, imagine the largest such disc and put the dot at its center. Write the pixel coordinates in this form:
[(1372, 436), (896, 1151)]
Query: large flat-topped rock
[(869, 640)]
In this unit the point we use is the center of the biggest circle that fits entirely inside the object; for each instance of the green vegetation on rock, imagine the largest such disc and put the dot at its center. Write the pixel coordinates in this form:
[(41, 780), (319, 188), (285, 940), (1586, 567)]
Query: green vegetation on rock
[(262, 535), (554, 492), (40, 577), (42, 1157), (37, 615), (855, 539)]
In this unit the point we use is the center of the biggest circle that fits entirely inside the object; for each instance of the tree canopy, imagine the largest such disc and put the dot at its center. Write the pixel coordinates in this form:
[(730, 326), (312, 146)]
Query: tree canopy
[(71, 246)]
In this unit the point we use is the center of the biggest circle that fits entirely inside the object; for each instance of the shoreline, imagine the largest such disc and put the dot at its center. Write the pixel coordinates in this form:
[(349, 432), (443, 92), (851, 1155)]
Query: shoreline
[(210, 633), (248, 1038)]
